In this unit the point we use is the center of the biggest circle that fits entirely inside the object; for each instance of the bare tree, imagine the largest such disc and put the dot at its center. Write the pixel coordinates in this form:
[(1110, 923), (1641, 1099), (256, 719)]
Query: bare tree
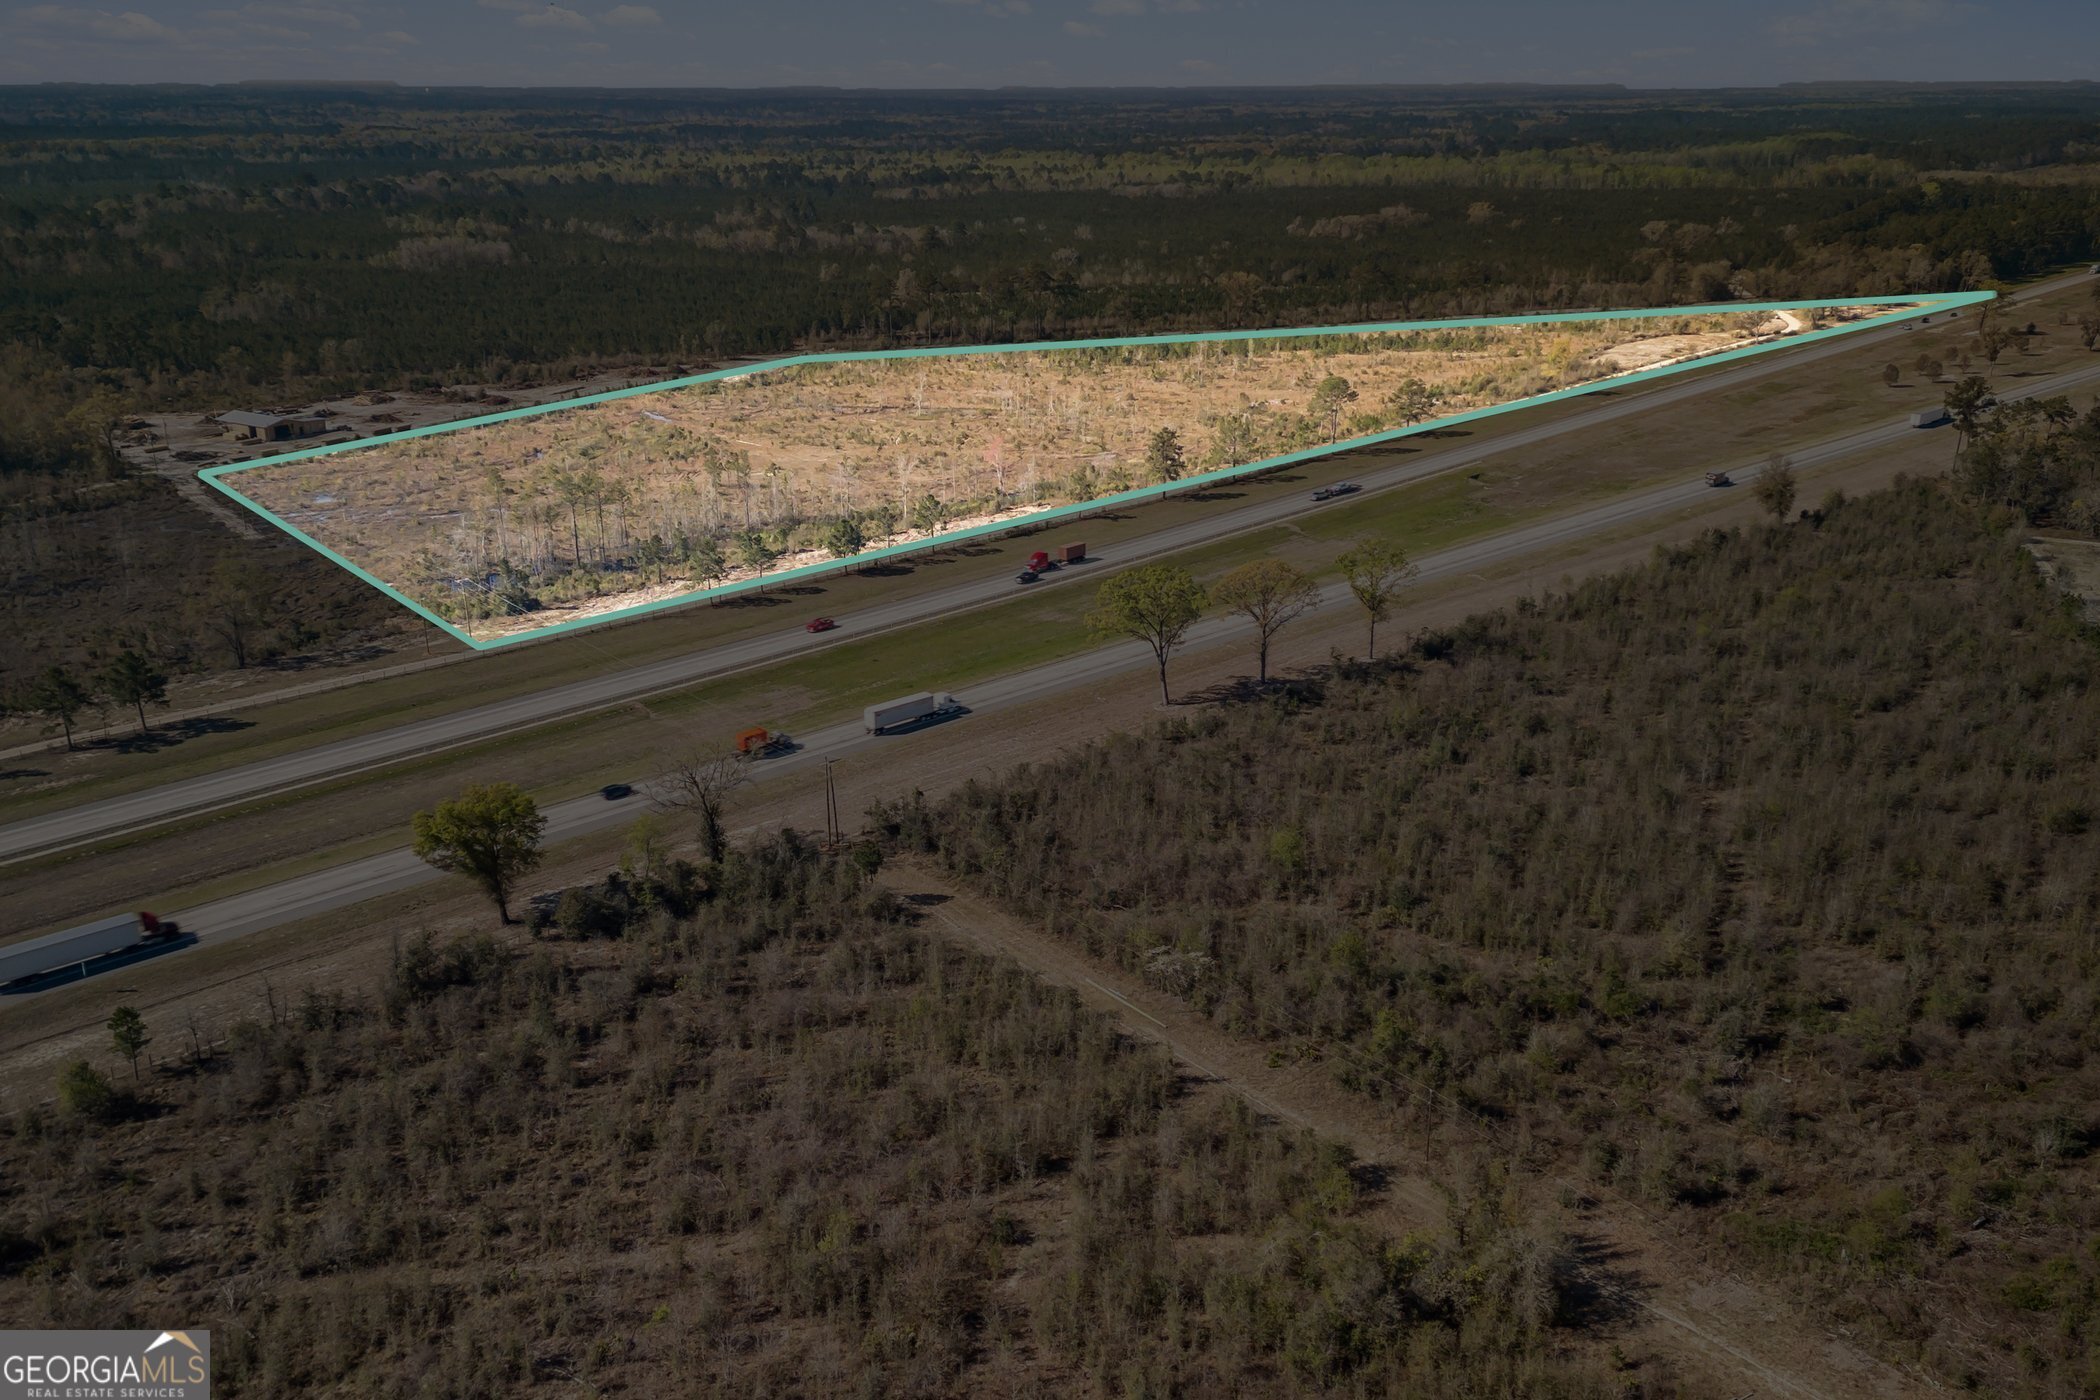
[(700, 784)]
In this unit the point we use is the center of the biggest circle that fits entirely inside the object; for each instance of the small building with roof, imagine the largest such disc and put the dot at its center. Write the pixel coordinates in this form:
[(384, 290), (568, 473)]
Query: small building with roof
[(275, 427)]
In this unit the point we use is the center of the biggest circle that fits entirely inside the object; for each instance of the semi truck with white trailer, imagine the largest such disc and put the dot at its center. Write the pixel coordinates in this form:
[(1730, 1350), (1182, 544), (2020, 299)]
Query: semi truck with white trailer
[(77, 947), (927, 704)]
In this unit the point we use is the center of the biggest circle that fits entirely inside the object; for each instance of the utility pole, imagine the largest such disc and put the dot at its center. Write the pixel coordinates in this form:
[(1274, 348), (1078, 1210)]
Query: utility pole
[(833, 834)]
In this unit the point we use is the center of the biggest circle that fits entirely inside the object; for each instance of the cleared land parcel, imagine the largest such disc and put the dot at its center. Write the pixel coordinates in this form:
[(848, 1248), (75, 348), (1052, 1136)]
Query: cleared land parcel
[(507, 526)]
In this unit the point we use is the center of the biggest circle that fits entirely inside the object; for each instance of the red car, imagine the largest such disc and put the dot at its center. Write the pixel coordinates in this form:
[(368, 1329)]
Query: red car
[(819, 624)]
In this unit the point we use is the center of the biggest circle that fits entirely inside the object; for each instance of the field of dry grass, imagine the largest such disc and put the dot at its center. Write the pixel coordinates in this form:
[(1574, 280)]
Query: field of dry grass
[(607, 505)]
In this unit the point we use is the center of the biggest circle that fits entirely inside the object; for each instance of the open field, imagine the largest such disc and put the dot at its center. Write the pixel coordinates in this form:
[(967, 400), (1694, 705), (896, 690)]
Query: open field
[(529, 522)]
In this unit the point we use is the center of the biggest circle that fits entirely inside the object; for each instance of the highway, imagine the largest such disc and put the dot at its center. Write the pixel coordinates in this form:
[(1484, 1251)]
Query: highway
[(234, 785), (391, 871)]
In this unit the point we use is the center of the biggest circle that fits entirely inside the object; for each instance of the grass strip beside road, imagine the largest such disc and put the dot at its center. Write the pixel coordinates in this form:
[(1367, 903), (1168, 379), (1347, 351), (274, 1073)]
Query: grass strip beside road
[(574, 757)]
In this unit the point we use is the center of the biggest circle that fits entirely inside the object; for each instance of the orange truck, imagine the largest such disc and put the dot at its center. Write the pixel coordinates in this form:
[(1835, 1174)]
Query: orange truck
[(760, 742)]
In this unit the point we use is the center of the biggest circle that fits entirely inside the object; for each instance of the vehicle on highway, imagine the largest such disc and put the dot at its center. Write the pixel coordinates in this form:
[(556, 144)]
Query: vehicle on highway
[(760, 742), (1071, 554), (1928, 418), (819, 624), (1340, 488), (1719, 479), (1027, 576), (613, 792), (927, 704), (1039, 563), (77, 947)]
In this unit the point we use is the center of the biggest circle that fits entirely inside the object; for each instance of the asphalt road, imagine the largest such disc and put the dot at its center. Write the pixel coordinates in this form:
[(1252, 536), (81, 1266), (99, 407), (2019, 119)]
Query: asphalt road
[(369, 877), (397, 870), (136, 811)]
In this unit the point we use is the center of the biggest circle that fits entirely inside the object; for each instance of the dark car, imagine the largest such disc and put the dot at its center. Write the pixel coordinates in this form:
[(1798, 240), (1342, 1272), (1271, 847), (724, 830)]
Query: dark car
[(1345, 488), (1323, 493), (819, 624), (1027, 576), (613, 792)]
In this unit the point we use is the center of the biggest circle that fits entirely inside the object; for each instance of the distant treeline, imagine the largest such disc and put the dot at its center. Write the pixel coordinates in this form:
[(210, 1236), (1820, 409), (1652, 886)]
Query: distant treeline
[(182, 247)]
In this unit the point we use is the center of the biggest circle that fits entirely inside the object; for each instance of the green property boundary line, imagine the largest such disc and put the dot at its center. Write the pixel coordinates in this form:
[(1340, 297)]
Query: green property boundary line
[(1920, 305)]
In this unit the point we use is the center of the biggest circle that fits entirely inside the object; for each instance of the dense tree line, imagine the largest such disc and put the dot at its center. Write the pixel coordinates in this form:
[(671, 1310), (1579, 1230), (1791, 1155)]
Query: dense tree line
[(743, 1125), (174, 247), (1759, 883), (2039, 457)]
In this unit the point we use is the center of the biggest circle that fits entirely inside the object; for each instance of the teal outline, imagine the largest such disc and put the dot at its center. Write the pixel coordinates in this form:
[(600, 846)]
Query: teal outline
[(1922, 304)]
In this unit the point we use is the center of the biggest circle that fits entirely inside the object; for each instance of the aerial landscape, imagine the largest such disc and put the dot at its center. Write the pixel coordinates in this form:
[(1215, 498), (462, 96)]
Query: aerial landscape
[(779, 468), (1105, 699)]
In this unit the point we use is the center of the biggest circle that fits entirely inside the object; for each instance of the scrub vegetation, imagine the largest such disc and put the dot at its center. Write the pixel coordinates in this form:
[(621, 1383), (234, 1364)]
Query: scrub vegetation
[(741, 1129), (1759, 885)]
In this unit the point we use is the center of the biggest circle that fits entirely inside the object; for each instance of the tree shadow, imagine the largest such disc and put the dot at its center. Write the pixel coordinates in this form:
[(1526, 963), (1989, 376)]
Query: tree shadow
[(927, 901), (169, 734), (1596, 1288), (750, 600), (1298, 688), (1215, 495), (887, 569), (325, 660), (948, 554), (1371, 1178), (9, 774)]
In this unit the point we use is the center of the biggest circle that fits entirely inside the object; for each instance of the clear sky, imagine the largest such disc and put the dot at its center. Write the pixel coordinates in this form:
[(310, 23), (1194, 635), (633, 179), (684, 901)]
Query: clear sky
[(989, 43)]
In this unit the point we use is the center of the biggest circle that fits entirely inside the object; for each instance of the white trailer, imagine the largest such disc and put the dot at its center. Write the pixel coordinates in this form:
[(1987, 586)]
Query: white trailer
[(891, 713), (74, 946), (1928, 418)]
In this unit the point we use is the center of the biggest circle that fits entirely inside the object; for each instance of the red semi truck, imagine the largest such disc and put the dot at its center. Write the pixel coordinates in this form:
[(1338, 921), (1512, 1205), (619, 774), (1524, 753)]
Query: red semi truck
[(1040, 562)]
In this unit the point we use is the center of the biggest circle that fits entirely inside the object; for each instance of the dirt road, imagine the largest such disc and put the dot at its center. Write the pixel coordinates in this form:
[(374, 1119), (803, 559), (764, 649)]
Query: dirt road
[(1720, 1335)]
